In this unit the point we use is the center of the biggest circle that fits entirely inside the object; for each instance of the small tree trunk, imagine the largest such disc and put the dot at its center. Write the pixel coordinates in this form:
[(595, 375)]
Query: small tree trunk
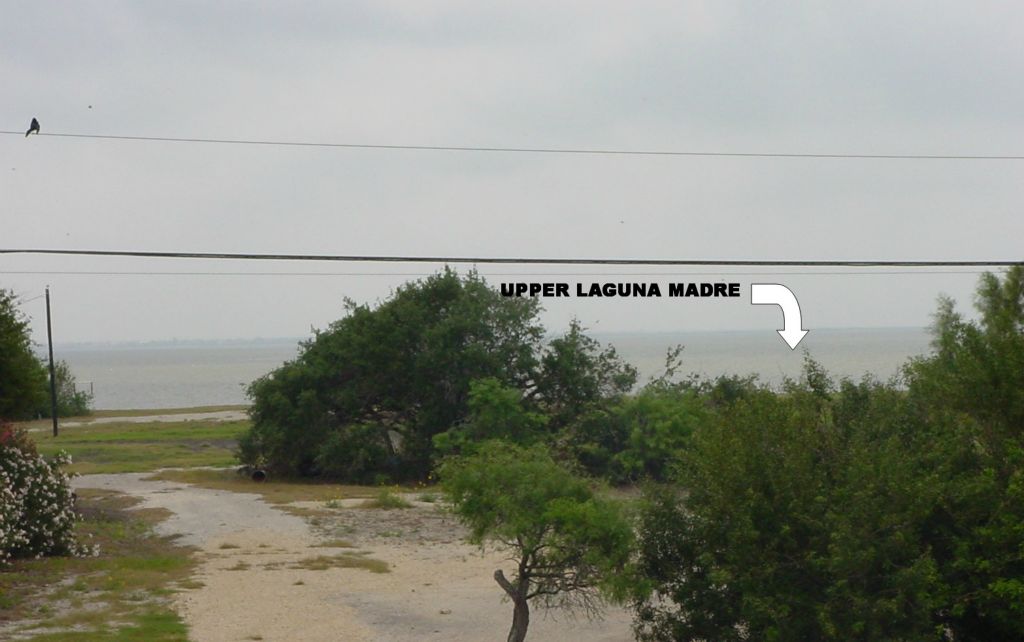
[(520, 620), (521, 606)]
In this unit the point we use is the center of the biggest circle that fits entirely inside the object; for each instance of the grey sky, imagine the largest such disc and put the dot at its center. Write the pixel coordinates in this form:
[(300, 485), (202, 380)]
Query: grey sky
[(857, 77)]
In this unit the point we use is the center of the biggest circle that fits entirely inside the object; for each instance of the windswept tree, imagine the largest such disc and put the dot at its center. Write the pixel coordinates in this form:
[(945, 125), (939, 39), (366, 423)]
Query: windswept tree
[(384, 380), (367, 396), (566, 544)]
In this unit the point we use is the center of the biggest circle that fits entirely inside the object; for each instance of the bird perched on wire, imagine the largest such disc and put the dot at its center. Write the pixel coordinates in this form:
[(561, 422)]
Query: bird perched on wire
[(33, 128)]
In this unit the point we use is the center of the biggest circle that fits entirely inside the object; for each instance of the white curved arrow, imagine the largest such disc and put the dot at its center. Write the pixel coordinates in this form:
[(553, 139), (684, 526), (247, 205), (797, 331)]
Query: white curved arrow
[(792, 331)]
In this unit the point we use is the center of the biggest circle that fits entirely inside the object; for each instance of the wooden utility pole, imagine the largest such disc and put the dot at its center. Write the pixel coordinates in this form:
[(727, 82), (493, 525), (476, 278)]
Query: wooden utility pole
[(53, 375)]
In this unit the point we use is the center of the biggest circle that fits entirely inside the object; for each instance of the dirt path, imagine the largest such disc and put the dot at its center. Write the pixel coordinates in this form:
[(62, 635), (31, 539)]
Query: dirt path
[(260, 579), (213, 415)]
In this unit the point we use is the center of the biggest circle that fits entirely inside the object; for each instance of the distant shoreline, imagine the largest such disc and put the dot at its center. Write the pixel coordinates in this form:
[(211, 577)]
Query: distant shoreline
[(601, 335)]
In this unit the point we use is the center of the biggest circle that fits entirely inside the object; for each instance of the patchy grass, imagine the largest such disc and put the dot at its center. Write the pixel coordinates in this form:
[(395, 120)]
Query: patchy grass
[(274, 491), (386, 499), (228, 545), (119, 595), (342, 560), (141, 447), (335, 543), (239, 566)]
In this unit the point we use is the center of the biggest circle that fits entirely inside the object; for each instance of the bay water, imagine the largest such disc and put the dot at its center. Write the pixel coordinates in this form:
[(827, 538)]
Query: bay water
[(184, 374)]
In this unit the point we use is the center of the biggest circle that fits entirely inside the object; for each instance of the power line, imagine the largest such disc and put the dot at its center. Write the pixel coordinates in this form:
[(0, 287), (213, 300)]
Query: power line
[(532, 150), (506, 260), (495, 274)]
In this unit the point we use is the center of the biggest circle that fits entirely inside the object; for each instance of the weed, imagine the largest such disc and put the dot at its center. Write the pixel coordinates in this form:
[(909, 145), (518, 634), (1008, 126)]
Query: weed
[(342, 560), (335, 543), (387, 500)]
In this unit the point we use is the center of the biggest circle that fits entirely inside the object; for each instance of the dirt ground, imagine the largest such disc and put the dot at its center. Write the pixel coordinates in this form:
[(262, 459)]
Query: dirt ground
[(306, 572)]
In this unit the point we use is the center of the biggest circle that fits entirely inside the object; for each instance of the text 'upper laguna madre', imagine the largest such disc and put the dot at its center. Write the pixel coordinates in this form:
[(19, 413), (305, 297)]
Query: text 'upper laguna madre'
[(557, 289)]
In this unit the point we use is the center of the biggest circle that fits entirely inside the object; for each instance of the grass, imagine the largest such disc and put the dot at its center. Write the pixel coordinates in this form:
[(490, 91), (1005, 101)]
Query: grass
[(336, 543), (274, 491), (141, 447), (386, 500), (119, 595), (343, 560)]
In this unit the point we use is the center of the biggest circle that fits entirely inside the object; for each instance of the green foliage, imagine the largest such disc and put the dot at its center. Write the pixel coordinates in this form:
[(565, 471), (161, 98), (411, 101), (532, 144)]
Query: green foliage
[(356, 452), (576, 372), (566, 542), (405, 366), (853, 511), (972, 390), (71, 402), (796, 523), (22, 378), (496, 411), (443, 363), (639, 437), (387, 499)]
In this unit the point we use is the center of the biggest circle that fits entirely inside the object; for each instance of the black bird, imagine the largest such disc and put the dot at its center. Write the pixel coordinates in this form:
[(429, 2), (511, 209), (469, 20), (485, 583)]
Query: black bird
[(33, 128)]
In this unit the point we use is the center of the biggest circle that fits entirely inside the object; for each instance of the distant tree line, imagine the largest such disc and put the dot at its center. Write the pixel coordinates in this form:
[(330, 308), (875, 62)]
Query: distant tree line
[(819, 510)]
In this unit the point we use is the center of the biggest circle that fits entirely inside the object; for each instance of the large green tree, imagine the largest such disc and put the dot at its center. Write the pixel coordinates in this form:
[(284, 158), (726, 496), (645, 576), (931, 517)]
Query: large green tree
[(22, 377), (393, 376), (447, 354)]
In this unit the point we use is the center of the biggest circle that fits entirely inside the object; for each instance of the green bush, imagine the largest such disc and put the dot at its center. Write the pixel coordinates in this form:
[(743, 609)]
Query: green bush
[(71, 402), (854, 511)]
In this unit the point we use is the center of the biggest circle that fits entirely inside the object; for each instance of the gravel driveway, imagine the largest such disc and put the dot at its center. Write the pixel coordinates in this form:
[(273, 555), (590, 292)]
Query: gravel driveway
[(257, 583)]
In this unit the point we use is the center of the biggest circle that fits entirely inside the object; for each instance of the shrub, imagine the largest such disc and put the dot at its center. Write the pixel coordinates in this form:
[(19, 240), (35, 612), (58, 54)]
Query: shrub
[(71, 402), (36, 506)]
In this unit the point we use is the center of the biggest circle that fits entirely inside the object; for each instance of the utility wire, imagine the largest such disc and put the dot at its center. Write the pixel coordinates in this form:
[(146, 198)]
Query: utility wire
[(533, 150), (494, 274), (506, 260)]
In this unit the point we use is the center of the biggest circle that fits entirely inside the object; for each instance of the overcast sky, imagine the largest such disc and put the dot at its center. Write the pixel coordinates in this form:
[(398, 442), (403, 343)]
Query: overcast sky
[(839, 77)]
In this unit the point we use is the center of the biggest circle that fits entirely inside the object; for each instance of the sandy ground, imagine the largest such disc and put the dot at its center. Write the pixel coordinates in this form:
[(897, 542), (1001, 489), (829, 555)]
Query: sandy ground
[(217, 415), (438, 588)]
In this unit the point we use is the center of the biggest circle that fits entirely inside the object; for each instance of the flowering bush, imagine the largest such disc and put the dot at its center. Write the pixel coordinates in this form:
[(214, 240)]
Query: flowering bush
[(36, 507)]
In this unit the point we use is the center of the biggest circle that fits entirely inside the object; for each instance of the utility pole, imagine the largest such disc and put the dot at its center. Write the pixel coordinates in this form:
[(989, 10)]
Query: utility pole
[(53, 375)]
